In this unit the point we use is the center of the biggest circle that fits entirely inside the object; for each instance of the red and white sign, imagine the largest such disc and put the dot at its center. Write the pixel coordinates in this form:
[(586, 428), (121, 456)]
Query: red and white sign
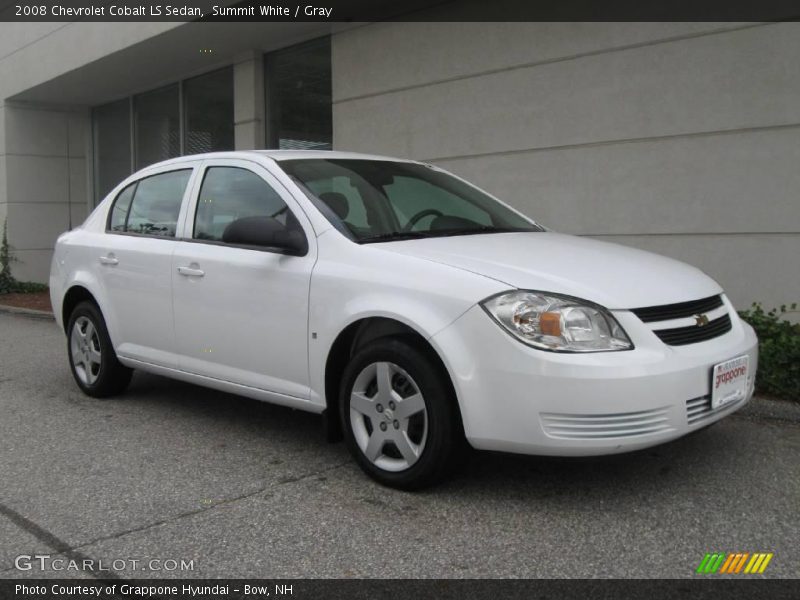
[(729, 381)]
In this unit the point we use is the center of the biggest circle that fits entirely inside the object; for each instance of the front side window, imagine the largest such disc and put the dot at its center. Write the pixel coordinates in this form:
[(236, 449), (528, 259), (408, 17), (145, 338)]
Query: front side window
[(151, 205), (232, 193), (374, 200)]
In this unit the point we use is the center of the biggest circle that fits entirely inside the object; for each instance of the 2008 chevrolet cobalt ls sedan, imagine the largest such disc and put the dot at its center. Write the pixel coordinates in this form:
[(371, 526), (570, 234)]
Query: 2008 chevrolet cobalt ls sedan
[(411, 309)]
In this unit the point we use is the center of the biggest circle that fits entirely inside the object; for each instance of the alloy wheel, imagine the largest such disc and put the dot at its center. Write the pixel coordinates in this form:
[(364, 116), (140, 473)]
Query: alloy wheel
[(388, 416), (85, 350)]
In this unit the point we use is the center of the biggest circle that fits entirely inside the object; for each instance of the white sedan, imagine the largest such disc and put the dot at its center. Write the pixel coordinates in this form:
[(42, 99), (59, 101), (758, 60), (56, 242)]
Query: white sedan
[(412, 310)]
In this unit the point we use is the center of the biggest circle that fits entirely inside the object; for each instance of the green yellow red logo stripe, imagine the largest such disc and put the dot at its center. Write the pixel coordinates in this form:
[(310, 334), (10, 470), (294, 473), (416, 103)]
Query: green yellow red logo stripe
[(734, 563)]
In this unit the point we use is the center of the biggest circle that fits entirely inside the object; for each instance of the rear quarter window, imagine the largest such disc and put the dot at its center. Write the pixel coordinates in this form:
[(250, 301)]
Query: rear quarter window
[(151, 205)]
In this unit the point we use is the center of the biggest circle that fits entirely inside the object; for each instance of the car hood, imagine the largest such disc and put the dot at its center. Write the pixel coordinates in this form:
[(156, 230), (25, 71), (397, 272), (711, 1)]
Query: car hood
[(614, 276)]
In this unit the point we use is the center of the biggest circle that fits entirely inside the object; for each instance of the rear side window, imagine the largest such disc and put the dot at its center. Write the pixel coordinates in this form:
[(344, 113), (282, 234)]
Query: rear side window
[(152, 205), (119, 212), (231, 193)]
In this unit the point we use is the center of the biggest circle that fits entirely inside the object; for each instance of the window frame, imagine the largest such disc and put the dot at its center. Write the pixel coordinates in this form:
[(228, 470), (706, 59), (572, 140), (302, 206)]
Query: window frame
[(192, 167), (270, 179)]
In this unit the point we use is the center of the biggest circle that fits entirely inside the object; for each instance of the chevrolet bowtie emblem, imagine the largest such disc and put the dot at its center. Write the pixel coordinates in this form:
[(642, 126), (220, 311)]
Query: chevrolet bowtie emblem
[(701, 320)]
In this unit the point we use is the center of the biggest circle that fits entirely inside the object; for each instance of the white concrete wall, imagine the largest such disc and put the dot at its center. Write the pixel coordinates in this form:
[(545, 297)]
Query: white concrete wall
[(44, 181), (681, 138), (3, 192), (44, 147)]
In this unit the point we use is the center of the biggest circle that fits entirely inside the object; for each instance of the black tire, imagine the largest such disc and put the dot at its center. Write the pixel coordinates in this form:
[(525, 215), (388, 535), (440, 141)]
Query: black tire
[(443, 440), (109, 378)]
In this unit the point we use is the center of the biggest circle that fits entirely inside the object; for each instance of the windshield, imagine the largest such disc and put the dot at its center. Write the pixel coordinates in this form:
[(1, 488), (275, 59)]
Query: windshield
[(376, 201)]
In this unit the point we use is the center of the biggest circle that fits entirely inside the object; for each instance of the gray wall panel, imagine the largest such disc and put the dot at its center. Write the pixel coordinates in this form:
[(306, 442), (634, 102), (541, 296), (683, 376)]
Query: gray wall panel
[(744, 78), (742, 182), (683, 139)]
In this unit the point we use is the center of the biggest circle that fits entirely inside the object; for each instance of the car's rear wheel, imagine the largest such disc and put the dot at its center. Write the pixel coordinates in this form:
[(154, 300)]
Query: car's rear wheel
[(92, 359), (398, 415)]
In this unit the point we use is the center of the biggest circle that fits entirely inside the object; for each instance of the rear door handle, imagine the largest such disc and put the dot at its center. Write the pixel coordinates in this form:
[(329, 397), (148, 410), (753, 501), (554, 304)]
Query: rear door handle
[(109, 260), (191, 272)]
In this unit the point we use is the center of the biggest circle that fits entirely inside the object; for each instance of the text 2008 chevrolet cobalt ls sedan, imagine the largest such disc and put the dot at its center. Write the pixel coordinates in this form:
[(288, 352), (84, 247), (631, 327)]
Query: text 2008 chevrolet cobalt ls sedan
[(410, 308)]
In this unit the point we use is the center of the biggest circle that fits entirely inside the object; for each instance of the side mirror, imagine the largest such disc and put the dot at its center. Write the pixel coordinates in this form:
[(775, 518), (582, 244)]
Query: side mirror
[(266, 232)]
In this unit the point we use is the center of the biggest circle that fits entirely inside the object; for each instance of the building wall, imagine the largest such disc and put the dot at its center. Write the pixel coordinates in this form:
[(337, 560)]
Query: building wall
[(52, 73), (681, 138), (45, 169), (44, 180)]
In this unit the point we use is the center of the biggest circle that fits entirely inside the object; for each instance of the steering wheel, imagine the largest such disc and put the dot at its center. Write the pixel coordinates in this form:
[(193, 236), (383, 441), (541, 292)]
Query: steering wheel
[(421, 215)]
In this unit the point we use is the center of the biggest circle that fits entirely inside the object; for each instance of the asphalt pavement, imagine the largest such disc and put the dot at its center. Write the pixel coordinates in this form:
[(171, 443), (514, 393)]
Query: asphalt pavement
[(237, 488)]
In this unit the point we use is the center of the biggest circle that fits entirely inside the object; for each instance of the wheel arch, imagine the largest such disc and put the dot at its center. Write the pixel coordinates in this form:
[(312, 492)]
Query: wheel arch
[(76, 294), (354, 337)]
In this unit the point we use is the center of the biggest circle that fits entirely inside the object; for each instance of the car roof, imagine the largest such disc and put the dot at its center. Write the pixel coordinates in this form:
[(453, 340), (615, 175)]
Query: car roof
[(277, 155)]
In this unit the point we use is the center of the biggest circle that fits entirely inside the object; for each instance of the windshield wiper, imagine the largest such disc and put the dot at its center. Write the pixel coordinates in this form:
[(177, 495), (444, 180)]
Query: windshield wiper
[(414, 235), (481, 229), (394, 235)]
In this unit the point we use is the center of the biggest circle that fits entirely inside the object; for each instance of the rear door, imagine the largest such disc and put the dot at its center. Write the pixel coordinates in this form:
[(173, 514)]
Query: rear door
[(241, 313), (135, 264)]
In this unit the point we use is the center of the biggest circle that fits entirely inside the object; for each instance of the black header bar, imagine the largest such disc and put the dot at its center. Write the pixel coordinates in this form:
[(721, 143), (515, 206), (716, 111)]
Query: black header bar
[(407, 10)]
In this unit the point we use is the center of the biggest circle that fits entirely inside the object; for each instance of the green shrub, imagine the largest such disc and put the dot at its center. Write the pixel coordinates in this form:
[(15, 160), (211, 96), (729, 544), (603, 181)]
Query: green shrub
[(7, 281), (30, 287), (779, 351), (9, 285)]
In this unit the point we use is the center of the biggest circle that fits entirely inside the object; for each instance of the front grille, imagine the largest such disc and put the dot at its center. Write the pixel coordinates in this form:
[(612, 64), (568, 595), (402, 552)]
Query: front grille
[(595, 427), (659, 316), (680, 336), (677, 311)]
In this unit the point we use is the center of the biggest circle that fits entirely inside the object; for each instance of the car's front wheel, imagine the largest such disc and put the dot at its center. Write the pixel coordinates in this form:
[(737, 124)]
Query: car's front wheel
[(92, 359), (399, 417)]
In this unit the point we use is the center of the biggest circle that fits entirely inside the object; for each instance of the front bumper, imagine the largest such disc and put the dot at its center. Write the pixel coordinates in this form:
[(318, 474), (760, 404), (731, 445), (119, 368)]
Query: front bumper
[(516, 398)]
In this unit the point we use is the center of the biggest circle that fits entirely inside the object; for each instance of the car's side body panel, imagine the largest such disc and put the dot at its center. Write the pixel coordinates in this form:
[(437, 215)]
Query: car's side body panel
[(353, 282), (245, 319)]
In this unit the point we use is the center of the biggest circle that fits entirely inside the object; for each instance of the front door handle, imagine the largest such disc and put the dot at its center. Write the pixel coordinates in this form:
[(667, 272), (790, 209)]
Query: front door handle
[(109, 260), (190, 272)]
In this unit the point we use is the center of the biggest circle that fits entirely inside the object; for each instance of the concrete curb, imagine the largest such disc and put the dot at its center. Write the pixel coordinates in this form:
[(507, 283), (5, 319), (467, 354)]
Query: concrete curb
[(16, 310)]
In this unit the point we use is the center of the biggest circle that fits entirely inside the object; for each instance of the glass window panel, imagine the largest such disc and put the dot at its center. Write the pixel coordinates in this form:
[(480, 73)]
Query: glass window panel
[(157, 125), (398, 198), (410, 196), (208, 108), (119, 212), (111, 128), (343, 199), (231, 193), (157, 204), (298, 81)]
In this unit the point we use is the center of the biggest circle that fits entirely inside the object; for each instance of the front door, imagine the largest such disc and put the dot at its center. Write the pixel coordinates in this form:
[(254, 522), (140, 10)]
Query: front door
[(241, 313)]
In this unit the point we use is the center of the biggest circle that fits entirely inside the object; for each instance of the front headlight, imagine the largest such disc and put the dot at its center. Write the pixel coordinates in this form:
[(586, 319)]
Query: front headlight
[(557, 323)]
